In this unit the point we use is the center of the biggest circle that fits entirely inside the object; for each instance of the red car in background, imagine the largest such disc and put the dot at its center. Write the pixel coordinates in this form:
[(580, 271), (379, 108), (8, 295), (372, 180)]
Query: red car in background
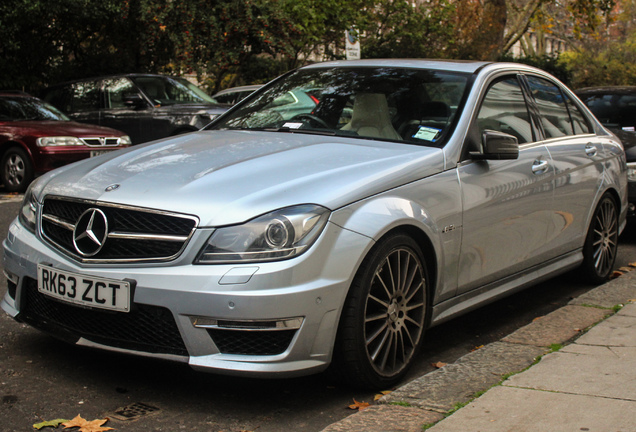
[(35, 138)]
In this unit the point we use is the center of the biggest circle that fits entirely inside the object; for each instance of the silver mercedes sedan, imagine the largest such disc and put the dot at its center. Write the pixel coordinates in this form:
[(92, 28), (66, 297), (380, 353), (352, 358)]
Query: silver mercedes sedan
[(266, 244)]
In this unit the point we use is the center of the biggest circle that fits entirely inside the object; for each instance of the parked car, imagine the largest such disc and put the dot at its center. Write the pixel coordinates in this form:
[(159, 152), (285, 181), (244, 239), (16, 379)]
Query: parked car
[(615, 108), (145, 106), (234, 95), (267, 245), (35, 138)]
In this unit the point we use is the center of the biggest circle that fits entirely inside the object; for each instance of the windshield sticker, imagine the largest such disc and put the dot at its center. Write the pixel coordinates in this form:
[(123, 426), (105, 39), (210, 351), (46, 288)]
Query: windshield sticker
[(293, 125), (427, 133)]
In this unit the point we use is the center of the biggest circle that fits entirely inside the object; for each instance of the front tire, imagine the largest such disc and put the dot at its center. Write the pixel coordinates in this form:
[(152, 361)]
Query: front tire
[(384, 316), (16, 171), (601, 243)]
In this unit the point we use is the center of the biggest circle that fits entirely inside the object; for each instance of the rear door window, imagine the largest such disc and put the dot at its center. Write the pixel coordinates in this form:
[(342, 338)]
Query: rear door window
[(552, 107)]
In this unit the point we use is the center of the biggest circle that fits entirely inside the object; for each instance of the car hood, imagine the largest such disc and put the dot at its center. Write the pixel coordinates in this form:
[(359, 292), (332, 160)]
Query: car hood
[(227, 177), (41, 128)]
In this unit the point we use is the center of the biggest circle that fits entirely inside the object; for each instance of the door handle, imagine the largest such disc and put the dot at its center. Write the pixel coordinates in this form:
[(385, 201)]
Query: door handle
[(539, 166), (591, 150)]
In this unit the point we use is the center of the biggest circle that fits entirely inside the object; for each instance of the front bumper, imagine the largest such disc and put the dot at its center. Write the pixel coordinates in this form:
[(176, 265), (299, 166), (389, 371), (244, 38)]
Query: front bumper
[(241, 300)]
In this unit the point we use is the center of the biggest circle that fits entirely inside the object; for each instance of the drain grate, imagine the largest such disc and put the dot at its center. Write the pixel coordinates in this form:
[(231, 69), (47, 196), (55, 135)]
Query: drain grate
[(134, 411)]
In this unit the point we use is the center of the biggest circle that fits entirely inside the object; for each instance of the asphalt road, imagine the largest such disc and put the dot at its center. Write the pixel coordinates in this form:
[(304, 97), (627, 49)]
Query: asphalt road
[(44, 379)]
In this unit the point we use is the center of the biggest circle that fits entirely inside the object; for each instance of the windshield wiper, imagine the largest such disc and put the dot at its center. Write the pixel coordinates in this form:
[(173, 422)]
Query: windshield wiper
[(304, 131)]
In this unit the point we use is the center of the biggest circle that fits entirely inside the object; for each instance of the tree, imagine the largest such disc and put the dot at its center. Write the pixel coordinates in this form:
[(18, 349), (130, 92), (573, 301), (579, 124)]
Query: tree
[(404, 29), (608, 55)]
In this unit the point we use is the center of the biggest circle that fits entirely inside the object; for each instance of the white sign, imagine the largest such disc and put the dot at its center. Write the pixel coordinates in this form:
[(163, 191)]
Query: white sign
[(352, 45)]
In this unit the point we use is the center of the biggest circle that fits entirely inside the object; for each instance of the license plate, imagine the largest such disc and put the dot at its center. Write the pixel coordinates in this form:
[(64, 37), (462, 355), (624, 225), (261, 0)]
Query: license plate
[(99, 152), (92, 291)]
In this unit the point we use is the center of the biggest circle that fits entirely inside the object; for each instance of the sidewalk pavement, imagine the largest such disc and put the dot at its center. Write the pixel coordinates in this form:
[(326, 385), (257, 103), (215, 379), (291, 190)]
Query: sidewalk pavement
[(587, 385)]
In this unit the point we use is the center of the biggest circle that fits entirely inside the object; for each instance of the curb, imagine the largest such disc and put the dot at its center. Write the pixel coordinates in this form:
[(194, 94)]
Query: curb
[(431, 397)]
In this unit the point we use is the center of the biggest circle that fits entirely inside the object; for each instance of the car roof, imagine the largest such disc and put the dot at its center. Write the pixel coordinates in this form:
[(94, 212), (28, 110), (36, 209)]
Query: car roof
[(449, 65), (239, 89), (123, 75), (607, 90), (14, 93)]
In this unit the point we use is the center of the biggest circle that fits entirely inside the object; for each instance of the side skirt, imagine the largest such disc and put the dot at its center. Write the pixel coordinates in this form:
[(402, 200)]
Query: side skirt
[(494, 291)]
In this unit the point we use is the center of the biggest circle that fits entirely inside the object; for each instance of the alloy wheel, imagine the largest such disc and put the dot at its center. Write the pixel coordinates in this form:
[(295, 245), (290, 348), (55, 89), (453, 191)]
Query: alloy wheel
[(395, 311), (605, 237)]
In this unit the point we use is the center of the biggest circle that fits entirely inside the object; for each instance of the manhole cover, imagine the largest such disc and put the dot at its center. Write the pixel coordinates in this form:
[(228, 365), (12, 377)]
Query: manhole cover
[(134, 411)]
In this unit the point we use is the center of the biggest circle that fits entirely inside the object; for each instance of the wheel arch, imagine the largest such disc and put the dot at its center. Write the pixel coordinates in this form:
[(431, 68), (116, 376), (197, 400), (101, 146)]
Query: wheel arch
[(428, 254), (13, 143)]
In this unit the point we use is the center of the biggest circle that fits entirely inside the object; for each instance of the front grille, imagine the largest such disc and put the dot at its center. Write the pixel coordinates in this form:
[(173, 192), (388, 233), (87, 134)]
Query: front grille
[(134, 234), (252, 342), (150, 329), (97, 142)]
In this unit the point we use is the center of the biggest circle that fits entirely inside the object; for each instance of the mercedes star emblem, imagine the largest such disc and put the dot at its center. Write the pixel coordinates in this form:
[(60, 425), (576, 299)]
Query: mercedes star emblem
[(90, 233)]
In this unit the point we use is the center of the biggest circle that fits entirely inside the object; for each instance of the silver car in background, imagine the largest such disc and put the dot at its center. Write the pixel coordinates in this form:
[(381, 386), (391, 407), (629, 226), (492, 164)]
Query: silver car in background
[(414, 191)]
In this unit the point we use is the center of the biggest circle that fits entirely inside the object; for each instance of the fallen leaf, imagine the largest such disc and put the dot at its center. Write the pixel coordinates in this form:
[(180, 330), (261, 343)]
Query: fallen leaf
[(87, 426), (633, 264), (439, 364), (625, 269), (382, 393), (51, 423), (476, 348), (537, 319), (616, 274), (359, 405)]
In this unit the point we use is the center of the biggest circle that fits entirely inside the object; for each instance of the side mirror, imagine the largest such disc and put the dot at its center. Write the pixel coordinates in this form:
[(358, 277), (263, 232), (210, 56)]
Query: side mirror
[(134, 100), (497, 146)]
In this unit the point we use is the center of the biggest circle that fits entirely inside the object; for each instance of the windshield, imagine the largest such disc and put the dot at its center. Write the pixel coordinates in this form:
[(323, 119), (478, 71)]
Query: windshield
[(28, 108), (412, 105), (168, 91)]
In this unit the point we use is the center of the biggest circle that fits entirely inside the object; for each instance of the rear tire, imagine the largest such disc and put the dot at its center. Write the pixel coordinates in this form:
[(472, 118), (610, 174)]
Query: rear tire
[(601, 243), (16, 170), (384, 316)]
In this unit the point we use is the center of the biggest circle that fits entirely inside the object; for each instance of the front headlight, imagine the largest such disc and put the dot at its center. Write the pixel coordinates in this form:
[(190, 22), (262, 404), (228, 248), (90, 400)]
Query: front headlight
[(631, 171), (28, 209), (59, 141), (281, 234), (125, 140)]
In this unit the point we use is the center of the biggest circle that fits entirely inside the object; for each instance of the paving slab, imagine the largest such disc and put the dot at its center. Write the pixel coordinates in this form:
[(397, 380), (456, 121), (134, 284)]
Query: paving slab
[(629, 309), (617, 331), (616, 291), (456, 383), (386, 418), (589, 370), (557, 327), (508, 409)]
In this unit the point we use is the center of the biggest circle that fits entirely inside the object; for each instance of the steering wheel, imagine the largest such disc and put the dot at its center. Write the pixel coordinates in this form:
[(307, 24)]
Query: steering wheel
[(311, 117)]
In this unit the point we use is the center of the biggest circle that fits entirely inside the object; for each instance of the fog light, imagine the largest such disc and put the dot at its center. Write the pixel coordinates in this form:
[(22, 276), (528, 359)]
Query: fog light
[(250, 325)]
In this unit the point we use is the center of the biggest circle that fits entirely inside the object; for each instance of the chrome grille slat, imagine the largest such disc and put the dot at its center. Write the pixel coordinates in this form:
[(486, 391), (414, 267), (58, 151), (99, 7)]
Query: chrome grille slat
[(100, 142), (135, 234)]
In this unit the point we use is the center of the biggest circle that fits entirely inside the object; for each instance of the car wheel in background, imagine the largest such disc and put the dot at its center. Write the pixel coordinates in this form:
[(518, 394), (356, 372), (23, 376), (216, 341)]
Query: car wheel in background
[(601, 243), (383, 320), (17, 171)]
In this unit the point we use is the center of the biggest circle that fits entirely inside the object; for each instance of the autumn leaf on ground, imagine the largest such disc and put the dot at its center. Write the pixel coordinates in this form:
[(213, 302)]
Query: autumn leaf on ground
[(51, 423), (616, 274), (633, 264), (382, 393), (625, 269), (359, 405), (476, 348), (438, 365), (87, 426), (537, 319)]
